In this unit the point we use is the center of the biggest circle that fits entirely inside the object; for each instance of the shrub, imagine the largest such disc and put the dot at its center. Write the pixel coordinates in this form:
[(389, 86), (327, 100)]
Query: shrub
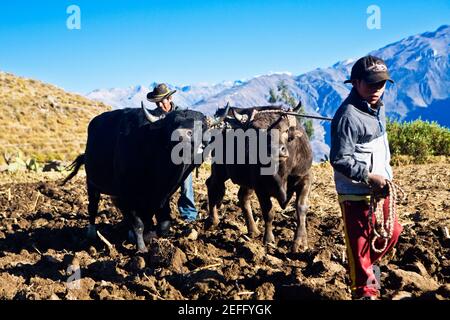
[(283, 95), (418, 139)]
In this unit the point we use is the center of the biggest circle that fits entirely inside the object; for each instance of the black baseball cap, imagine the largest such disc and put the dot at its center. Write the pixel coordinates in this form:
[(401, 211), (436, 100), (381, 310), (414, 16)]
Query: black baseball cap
[(370, 69)]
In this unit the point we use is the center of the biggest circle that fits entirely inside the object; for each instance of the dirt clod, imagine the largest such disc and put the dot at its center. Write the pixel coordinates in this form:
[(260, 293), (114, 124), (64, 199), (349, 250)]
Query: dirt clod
[(45, 254)]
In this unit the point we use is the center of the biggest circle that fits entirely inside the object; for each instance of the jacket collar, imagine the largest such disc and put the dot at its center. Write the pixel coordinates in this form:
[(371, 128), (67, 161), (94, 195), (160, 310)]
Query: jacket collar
[(355, 99)]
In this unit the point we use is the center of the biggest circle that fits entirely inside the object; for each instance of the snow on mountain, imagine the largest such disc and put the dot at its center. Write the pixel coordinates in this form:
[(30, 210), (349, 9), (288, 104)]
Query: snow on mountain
[(120, 97), (420, 66), (131, 97)]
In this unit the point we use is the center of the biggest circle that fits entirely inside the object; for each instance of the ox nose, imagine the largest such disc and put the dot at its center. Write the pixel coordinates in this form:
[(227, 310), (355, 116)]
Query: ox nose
[(283, 152)]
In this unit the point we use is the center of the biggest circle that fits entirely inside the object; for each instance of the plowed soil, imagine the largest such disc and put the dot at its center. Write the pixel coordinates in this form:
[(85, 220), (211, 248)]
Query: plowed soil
[(44, 253)]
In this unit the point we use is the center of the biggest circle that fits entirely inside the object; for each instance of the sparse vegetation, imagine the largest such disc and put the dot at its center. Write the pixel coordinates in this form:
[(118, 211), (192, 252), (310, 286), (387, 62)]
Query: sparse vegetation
[(42, 122), (417, 141)]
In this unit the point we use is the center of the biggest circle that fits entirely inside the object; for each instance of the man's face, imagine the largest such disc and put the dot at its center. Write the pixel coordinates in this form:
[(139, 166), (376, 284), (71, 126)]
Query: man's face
[(165, 104), (370, 92)]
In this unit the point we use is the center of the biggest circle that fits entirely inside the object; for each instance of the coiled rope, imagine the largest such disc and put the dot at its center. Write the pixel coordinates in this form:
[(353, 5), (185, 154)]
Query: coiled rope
[(383, 228)]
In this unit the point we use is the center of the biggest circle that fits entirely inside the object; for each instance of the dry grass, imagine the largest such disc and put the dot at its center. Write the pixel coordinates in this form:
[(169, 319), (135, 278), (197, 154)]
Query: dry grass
[(42, 121)]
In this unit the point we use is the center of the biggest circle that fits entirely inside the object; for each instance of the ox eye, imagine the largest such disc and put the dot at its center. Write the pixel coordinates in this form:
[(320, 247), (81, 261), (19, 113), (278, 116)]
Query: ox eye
[(291, 137)]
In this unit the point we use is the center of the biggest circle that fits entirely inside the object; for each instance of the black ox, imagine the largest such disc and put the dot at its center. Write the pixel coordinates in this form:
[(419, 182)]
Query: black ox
[(128, 156)]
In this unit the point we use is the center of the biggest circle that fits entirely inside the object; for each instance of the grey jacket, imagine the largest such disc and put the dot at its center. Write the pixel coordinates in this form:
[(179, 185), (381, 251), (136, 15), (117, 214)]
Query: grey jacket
[(359, 145)]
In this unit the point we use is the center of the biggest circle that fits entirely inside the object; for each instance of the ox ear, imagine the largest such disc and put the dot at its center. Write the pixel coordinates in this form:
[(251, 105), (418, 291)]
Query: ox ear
[(222, 118), (221, 111)]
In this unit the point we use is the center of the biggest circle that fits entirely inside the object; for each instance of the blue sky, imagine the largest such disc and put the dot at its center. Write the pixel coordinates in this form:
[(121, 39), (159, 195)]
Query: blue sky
[(124, 43)]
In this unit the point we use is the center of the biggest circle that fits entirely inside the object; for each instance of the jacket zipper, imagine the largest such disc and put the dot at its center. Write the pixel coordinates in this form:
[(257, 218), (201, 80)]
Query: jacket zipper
[(386, 147)]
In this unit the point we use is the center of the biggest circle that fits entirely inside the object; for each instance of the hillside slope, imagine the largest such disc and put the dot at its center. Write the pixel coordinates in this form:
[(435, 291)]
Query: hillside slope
[(42, 121)]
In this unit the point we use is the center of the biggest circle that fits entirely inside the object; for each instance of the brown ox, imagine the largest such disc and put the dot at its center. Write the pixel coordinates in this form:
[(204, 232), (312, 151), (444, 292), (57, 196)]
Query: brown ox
[(293, 174)]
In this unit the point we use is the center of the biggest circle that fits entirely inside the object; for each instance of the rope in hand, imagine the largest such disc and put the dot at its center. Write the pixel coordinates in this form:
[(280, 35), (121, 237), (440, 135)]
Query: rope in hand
[(383, 229)]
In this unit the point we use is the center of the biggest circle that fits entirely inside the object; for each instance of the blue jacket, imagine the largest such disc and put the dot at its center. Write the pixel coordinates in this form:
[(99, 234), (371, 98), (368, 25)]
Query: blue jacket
[(359, 145)]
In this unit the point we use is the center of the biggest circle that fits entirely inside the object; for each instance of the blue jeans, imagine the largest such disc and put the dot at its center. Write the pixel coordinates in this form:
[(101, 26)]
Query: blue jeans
[(186, 204)]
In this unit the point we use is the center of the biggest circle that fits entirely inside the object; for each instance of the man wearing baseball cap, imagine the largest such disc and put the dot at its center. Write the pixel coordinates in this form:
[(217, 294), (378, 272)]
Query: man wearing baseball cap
[(162, 97), (360, 158)]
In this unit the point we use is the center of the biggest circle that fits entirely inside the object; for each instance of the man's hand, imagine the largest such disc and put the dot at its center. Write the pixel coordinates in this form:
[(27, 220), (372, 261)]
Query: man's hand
[(377, 182)]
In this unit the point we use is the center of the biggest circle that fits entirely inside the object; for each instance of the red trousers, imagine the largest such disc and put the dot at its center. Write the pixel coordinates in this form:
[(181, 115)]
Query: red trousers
[(358, 238)]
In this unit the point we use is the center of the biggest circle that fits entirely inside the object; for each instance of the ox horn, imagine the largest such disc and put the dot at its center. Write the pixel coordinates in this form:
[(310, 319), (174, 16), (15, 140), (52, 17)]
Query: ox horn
[(298, 107), (220, 120), (252, 116), (244, 119), (151, 118), (239, 117)]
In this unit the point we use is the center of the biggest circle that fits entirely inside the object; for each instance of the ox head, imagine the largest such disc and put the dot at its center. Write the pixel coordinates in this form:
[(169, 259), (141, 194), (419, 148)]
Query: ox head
[(284, 128), (185, 126)]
